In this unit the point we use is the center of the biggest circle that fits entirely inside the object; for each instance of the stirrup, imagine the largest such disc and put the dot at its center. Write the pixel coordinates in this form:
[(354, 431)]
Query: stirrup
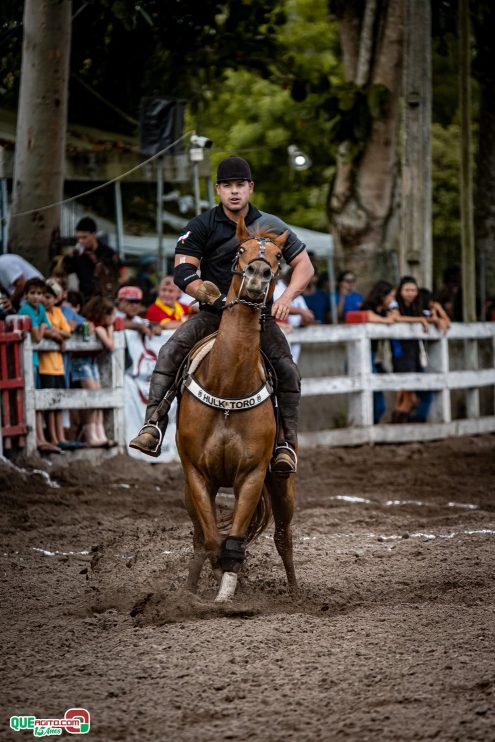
[(151, 451), (289, 467)]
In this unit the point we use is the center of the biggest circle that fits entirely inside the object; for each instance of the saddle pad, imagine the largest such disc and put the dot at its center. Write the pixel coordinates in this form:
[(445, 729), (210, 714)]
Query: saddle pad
[(201, 350)]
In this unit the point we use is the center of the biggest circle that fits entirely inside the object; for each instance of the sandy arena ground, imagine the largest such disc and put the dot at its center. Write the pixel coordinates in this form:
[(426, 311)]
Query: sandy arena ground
[(391, 638)]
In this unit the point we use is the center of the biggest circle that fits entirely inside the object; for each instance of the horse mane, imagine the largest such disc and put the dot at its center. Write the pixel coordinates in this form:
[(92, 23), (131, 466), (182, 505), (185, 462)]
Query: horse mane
[(244, 233), (264, 232)]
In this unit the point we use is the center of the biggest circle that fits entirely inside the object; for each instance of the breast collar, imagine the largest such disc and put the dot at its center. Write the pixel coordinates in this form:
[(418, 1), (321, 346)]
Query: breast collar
[(225, 404)]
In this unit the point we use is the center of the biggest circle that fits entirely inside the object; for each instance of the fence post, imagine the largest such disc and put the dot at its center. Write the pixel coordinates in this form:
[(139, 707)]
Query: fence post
[(29, 395), (117, 362), (438, 354), (359, 365), (471, 362)]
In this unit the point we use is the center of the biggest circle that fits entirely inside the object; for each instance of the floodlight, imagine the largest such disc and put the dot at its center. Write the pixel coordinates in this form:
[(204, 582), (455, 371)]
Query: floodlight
[(298, 159)]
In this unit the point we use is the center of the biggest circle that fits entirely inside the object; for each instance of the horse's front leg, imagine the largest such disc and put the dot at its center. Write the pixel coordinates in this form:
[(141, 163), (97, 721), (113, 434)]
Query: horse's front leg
[(199, 552), (247, 491), (200, 504)]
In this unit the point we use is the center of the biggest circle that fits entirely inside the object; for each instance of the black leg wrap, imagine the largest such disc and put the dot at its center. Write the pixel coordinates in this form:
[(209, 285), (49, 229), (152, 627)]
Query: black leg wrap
[(233, 553)]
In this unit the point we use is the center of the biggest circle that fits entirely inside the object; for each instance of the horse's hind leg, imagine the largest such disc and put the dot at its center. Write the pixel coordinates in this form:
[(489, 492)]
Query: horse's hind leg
[(282, 498)]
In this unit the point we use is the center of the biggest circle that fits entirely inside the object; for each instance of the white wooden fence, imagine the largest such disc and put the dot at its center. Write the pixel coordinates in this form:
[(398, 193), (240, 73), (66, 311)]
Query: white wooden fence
[(359, 383), (356, 382), (109, 398)]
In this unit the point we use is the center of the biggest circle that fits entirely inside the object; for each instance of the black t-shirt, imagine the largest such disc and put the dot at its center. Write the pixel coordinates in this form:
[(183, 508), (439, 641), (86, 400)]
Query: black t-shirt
[(211, 237), (95, 278)]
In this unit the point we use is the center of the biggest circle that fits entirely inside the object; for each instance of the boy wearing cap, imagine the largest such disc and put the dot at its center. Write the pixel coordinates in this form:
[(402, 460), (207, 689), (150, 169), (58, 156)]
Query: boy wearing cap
[(129, 304), (209, 240)]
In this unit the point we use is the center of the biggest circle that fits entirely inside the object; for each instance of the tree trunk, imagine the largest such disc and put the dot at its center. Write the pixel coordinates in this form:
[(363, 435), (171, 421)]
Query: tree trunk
[(485, 159), (416, 250), (41, 125), (485, 185), (466, 174), (363, 200)]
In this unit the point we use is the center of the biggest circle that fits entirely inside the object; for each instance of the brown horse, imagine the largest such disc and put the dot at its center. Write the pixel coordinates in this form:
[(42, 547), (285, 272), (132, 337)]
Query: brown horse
[(226, 427)]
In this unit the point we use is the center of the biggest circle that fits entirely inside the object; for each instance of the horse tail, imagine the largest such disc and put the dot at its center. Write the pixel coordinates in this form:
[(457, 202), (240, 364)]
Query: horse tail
[(261, 516), (260, 520)]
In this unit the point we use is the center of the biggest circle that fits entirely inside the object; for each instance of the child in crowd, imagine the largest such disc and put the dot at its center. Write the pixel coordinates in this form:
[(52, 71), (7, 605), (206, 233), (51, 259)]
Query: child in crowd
[(129, 306), (33, 308), (71, 307), (71, 314), (52, 368), (74, 300), (167, 311), (85, 372)]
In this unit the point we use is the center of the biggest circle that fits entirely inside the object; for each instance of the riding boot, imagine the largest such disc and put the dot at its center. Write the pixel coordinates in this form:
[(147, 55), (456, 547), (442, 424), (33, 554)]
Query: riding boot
[(162, 384), (274, 344), (284, 461), (150, 437)]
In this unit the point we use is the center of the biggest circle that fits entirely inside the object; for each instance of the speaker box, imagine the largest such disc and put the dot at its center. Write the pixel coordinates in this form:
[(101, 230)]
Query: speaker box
[(161, 122)]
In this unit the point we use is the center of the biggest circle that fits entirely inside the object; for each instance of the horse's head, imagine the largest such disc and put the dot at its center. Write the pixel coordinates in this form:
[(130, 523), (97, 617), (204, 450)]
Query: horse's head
[(256, 264)]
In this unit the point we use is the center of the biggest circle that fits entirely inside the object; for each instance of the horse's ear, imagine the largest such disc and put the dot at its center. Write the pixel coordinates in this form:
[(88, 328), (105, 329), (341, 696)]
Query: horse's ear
[(280, 240), (242, 232)]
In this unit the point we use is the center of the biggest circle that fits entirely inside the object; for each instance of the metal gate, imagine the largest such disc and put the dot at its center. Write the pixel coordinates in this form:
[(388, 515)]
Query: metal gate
[(12, 385)]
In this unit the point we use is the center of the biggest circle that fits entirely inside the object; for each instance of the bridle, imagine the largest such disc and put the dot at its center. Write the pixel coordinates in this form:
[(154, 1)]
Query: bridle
[(262, 242)]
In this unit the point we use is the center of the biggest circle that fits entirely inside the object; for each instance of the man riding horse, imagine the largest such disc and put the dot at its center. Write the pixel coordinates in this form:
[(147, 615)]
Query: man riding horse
[(210, 241)]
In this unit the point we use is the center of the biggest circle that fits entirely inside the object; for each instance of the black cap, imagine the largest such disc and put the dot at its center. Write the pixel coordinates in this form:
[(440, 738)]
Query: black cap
[(233, 168), (86, 224)]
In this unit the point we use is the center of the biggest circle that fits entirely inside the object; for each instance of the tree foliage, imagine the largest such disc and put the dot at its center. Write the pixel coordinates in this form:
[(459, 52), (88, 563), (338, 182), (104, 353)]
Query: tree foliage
[(260, 116), (258, 76)]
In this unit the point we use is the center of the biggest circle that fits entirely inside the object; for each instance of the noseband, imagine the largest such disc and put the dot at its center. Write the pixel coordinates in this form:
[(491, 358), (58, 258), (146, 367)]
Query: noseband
[(262, 242)]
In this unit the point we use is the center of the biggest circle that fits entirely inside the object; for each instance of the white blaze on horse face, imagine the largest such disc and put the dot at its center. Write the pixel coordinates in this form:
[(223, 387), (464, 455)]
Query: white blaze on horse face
[(227, 587)]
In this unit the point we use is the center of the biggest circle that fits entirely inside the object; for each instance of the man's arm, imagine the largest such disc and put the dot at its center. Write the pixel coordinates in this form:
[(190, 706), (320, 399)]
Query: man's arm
[(19, 284), (302, 273), (192, 286), (186, 278)]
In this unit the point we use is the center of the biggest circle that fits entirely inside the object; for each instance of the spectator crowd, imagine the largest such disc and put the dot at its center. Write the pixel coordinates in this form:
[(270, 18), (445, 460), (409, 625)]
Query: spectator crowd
[(88, 292), (90, 289)]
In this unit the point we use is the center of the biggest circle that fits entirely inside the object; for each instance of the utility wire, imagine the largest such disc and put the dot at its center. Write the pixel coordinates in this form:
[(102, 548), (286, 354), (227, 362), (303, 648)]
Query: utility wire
[(103, 185), (105, 101)]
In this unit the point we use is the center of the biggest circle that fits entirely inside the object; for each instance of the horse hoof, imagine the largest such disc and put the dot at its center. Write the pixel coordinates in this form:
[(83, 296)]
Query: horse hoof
[(227, 587)]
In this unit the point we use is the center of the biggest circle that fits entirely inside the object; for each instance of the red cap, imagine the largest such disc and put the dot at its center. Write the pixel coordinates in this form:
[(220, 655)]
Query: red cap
[(130, 292)]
